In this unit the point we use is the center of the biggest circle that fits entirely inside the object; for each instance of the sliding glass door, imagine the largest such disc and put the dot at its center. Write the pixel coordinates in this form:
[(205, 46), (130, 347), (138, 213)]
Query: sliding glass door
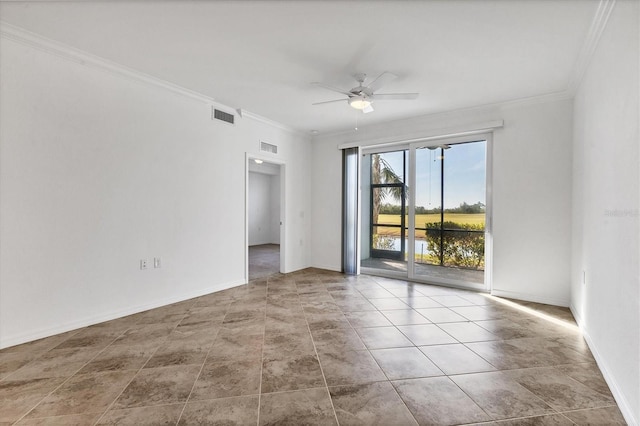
[(425, 210), (384, 210), (450, 210)]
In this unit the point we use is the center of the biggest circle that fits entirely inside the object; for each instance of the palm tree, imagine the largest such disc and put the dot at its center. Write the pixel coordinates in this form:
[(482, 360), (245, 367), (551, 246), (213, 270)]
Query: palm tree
[(382, 172)]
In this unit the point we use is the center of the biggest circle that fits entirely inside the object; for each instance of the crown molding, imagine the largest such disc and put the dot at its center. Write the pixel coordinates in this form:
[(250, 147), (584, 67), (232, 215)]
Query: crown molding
[(44, 44), (520, 102), (598, 25), (247, 114), (69, 53)]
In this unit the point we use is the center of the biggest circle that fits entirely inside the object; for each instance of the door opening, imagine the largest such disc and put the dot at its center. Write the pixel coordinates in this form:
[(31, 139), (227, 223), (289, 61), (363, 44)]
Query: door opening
[(264, 219)]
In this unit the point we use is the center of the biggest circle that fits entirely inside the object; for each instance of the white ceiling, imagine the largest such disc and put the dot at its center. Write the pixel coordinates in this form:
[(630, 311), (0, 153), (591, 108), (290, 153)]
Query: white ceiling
[(261, 56)]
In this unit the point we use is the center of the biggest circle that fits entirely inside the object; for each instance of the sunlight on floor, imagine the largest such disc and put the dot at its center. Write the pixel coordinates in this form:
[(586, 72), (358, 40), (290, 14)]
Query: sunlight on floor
[(533, 312)]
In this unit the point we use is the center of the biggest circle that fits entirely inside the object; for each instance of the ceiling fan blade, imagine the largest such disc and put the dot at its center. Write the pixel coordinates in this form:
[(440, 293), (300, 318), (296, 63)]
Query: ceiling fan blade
[(381, 80), (333, 89), (328, 102), (394, 96), (368, 109)]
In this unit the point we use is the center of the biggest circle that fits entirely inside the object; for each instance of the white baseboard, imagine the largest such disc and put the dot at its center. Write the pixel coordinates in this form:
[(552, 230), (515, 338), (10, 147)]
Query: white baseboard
[(32, 335), (327, 267), (531, 298), (622, 402)]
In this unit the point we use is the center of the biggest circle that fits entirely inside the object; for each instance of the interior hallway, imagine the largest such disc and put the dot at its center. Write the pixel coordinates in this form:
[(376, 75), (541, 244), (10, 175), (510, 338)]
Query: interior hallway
[(264, 260), (314, 347)]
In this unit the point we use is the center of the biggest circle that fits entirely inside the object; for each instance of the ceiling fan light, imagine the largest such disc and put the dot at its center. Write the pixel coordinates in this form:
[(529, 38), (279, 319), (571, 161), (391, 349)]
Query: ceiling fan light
[(359, 102)]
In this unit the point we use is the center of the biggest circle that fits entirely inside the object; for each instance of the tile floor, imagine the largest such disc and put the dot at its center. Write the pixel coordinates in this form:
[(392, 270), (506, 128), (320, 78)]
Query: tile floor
[(313, 347), (264, 260)]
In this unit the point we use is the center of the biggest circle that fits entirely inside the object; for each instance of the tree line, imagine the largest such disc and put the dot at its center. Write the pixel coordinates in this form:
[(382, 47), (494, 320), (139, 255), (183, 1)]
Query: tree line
[(462, 208)]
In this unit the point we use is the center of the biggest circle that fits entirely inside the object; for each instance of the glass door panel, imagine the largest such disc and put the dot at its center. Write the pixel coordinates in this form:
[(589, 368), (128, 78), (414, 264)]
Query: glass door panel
[(450, 213), (384, 211)]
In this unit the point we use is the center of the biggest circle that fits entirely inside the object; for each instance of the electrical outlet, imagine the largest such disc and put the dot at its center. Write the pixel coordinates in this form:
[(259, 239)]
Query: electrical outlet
[(156, 262), (144, 263)]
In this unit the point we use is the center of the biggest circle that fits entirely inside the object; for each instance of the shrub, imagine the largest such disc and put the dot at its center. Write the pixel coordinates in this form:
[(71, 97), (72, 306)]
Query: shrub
[(462, 244)]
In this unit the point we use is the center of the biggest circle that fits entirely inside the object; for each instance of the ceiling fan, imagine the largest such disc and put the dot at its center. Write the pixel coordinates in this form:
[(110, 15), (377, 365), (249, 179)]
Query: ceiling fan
[(361, 97)]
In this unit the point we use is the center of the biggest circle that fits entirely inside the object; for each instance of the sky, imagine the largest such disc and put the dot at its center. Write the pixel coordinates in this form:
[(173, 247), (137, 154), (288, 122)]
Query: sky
[(464, 177)]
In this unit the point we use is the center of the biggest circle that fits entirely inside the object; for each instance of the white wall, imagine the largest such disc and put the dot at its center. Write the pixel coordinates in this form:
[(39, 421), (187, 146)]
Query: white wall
[(274, 209), (605, 207), (264, 209), (531, 191), (98, 171)]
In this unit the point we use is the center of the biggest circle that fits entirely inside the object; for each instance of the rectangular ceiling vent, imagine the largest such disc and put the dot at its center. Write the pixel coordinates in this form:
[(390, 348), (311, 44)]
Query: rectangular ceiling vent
[(267, 147), (223, 116)]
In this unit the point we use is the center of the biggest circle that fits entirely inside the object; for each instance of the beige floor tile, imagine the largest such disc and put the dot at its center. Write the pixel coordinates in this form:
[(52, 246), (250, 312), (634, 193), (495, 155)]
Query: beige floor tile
[(405, 290), (370, 404), (228, 378), (550, 420), (375, 293), (506, 329), (91, 337), (500, 396), (285, 322), (438, 401), (349, 367), (367, 319), (388, 304), (456, 359), (69, 420), (17, 397), (12, 361), (434, 290), (84, 393), (204, 315), (42, 345), (420, 302), (527, 352), (452, 300), (291, 370), (427, 334), (383, 337), (441, 315), (467, 332), (157, 386), (145, 333), (559, 390), (303, 407), (55, 363), (179, 352), (405, 363), (597, 416), (405, 317), (479, 299), (160, 415), (121, 357), (235, 344), (478, 313), (298, 339), (330, 320), (588, 374), (338, 339), (354, 304), (284, 331), (240, 411)]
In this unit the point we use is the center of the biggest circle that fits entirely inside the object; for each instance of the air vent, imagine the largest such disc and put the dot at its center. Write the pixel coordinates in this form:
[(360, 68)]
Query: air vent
[(223, 116), (267, 147)]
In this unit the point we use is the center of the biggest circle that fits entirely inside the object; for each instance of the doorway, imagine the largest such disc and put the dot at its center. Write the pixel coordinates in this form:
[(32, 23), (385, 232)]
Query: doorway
[(264, 219), (426, 211)]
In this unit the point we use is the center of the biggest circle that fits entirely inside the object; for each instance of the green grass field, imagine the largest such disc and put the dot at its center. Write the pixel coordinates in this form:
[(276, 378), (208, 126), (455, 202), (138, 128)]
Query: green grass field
[(422, 219)]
